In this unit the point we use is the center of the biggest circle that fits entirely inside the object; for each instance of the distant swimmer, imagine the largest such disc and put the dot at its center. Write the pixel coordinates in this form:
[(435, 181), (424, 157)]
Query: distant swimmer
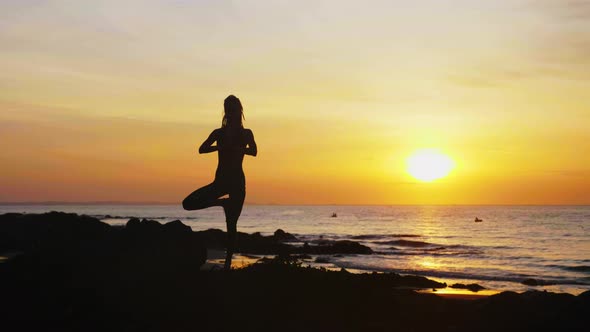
[(478, 220)]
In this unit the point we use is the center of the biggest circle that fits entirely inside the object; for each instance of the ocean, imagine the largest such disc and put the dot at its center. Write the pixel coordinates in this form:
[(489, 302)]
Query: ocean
[(511, 244)]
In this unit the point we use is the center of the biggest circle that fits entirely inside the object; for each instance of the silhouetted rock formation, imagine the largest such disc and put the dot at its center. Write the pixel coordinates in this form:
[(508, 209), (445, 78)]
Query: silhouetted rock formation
[(256, 243), (585, 296), (55, 238), (148, 243), (246, 243), (64, 235), (281, 235), (472, 287), (51, 231)]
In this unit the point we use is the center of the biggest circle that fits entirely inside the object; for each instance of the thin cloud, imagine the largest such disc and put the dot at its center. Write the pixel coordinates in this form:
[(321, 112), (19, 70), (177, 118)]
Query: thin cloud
[(564, 9), (550, 39)]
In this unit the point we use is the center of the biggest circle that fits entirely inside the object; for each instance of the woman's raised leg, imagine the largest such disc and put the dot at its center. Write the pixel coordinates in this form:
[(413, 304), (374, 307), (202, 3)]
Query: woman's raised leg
[(204, 197)]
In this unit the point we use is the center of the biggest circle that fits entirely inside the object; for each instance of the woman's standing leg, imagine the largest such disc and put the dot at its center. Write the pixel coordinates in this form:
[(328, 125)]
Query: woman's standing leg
[(233, 208), (204, 197)]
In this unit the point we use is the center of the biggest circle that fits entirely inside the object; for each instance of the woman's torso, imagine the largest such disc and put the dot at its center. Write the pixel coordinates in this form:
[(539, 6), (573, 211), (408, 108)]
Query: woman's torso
[(231, 144)]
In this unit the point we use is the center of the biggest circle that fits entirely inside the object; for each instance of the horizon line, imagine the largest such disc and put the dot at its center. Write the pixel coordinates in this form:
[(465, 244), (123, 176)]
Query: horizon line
[(50, 203)]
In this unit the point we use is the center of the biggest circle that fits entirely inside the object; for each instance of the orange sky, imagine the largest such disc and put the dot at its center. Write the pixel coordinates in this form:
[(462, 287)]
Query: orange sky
[(109, 102)]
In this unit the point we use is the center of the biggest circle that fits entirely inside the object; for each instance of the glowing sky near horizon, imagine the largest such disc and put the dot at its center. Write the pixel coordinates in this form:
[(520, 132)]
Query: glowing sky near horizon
[(108, 100)]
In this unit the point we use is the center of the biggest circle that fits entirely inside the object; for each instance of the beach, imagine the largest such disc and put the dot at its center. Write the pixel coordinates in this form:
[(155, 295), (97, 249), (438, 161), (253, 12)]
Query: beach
[(71, 272)]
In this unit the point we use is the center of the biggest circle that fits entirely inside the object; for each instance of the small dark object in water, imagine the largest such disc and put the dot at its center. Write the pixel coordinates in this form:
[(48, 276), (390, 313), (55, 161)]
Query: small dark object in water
[(477, 219), (334, 215)]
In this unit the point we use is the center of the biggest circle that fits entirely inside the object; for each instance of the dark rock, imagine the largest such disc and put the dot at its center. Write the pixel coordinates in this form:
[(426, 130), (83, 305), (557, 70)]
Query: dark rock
[(147, 243), (50, 231), (211, 238), (351, 247), (585, 295), (246, 243), (133, 222), (419, 282), (259, 244), (281, 235), (89, 246), (177, 226), (540, 296), (472, 287)]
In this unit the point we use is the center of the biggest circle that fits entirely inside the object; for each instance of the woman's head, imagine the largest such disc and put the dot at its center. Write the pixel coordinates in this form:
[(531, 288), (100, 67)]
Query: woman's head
[(233, 112)]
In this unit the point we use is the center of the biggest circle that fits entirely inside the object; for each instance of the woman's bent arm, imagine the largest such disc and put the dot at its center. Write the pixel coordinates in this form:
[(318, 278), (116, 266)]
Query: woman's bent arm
[(207, 146), (251, 149)]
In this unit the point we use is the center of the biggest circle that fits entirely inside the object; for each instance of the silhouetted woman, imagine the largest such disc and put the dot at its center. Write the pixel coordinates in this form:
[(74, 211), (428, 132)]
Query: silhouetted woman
[(233, 142)]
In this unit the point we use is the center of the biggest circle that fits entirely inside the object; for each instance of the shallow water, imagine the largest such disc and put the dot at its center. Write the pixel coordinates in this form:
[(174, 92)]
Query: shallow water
[(512, 243)]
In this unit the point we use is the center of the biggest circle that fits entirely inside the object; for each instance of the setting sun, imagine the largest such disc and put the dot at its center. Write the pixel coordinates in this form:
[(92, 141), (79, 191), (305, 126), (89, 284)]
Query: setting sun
[(429, 164)]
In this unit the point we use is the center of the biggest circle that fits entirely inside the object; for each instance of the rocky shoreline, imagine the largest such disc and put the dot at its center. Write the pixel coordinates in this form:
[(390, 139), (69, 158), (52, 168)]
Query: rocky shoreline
[(77, 273)]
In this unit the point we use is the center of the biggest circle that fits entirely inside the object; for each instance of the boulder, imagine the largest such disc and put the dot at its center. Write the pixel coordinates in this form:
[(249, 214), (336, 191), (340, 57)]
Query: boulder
[(49, 232), (258, 244), (86, 244), (148, 245), (585, 295), (281, 235), (472, 287)]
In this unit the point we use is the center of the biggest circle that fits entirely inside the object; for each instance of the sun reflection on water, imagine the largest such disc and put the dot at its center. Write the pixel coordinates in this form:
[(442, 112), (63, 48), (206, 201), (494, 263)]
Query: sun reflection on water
[(428, 262)]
